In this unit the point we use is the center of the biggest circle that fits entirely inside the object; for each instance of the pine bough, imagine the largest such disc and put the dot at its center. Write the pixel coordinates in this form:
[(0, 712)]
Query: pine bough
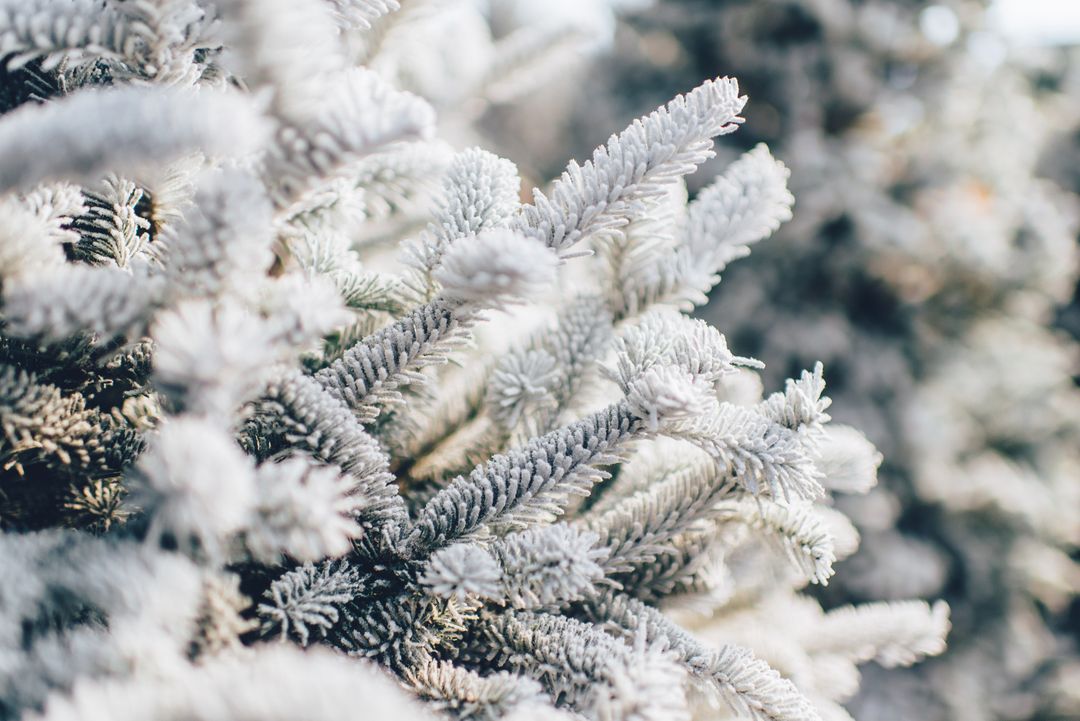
[(213, 390)]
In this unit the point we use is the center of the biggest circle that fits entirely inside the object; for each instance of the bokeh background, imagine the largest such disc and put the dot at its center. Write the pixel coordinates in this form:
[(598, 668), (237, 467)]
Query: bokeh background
[(932, 266)]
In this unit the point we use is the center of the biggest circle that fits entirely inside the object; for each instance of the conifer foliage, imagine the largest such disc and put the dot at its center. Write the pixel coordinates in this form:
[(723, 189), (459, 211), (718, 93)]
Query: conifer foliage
[(929, 261), (238, 476)]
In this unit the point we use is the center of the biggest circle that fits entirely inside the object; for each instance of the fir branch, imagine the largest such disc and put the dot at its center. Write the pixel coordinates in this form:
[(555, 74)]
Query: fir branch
[(124, 130), (197, 486), (84, 607), (112, 230), (692, 562), (364, 115), (351, 14), (534, 383), (747, 684), (542, 567), (304, 511), (536, 481), (521, 389), (78, 31), (328, 254), (469, 696), (211, 357), (268, 682), (897, 633), (848, 460), (369, 372), (642, 526), (58, 205), (220, 625), (794, 528), (106, 302), (290, 49), (579, 340), (691, 121), (527, 484), (549, 566), (480, 192), (771, 446), (635, 166), (530, 57), (526, 392), (741, 207), (494, 268), (29, 242), (39, 423), (296, 408), (588, 669), (461, 570), (98, 505), (401, 631), (224, 235), (401, 180), (670, 339), (309, 598)]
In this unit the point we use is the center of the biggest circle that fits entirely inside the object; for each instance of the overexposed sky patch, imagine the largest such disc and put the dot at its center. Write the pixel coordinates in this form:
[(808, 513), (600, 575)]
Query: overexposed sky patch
[(1039, 22)]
